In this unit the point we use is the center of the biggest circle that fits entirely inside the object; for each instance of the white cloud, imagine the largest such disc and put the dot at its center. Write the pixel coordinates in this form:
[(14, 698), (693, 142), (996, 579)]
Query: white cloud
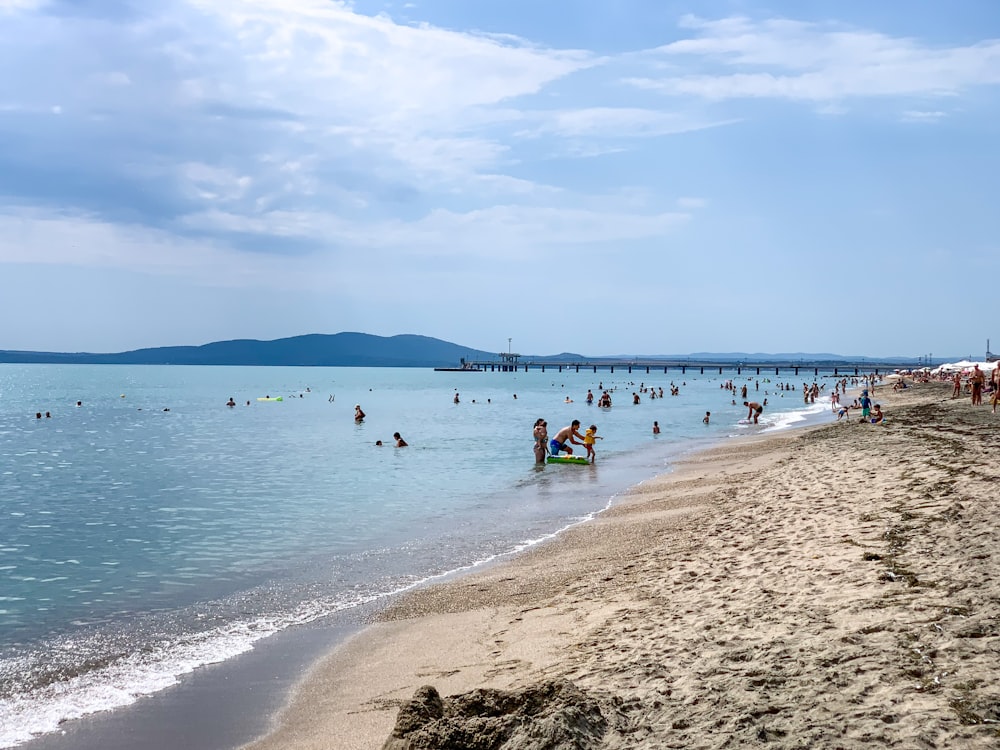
[(621, 122), (913, 115), (114, 78), (503, 229), (692, 203), (741, 58), (206, 182), (15, 6), (321, 57)]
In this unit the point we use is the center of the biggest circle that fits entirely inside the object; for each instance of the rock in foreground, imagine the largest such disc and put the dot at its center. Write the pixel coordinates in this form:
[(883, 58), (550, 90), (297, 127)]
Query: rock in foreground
[(549, 715)]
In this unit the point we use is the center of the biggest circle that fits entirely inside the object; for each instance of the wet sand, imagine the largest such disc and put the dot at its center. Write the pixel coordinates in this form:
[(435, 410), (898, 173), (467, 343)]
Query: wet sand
[(827, 588)]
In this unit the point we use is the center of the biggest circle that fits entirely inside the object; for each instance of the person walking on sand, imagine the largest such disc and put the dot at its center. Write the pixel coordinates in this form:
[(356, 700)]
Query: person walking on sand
[(588, 440), (566, 435), (957, 380), (755, 410), (541, 435), (978, 380), (995, 380)]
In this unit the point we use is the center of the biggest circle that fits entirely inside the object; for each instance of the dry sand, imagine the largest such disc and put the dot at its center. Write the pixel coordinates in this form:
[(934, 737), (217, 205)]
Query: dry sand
[(831, 588)]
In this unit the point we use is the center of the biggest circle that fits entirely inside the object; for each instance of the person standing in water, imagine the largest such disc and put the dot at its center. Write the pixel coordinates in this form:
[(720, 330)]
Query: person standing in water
[(588, 440), (541, 435), (359, 416)]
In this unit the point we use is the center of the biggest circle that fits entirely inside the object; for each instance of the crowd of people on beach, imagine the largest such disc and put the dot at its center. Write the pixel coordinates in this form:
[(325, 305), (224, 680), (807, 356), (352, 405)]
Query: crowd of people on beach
[(974, 383), (967, 378)]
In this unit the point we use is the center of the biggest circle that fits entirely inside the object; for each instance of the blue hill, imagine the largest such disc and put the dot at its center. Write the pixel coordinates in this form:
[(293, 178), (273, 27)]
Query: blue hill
[(312, 350)]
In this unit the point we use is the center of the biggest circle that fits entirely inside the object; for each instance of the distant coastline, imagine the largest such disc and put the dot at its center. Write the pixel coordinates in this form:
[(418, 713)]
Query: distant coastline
[(351, 349)]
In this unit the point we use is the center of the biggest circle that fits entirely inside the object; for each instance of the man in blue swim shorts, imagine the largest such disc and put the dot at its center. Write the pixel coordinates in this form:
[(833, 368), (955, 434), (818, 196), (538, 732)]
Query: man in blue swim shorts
[(566, 435)]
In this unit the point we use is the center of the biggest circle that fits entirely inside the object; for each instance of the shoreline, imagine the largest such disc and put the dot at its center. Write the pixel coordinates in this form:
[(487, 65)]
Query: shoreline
[(817, 587), (226, 704)]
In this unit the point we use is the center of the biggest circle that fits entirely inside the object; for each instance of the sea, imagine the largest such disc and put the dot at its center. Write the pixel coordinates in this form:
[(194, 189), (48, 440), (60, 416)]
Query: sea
[(148, 530)]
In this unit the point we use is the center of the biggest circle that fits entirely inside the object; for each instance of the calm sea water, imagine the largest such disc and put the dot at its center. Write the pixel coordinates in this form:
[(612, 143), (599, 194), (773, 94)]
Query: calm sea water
[(152, 530)]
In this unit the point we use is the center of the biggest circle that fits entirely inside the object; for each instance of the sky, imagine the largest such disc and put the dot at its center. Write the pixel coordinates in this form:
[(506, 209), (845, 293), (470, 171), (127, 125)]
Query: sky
[(604, 177)]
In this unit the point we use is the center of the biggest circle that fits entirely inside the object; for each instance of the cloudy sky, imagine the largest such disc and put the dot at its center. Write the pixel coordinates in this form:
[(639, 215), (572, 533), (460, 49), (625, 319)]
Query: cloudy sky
[(602, 177)]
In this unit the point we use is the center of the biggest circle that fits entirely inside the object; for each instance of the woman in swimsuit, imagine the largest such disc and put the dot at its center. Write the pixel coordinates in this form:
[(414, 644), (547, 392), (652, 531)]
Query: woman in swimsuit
[(541, 435)]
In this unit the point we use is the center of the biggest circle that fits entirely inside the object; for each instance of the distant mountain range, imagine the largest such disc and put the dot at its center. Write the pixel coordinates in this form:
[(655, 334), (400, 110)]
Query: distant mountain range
[(313, 350), (366, 350)]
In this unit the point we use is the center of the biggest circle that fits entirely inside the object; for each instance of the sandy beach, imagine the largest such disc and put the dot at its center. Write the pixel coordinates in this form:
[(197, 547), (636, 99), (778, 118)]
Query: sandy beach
[(827, 588)]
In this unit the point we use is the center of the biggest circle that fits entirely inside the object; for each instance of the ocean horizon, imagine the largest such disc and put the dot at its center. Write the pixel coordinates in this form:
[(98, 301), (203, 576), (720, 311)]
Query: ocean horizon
[(151, 530)]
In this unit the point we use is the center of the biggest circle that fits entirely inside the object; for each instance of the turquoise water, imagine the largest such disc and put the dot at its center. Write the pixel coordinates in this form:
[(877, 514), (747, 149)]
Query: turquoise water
[(152, 529)]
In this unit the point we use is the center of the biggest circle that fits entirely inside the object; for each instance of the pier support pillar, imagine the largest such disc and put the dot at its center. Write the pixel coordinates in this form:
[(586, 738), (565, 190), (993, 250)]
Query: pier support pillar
[(758, 371), (630, 369), (595, 369), (720, 370), (739, 370), (702, 370), (612, 369), (776, 371), (796, 372), (578, 368)]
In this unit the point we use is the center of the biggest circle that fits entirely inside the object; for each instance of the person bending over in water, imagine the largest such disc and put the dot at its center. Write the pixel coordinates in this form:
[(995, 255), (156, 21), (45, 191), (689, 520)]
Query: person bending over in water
[(755, 410), (570, 434)]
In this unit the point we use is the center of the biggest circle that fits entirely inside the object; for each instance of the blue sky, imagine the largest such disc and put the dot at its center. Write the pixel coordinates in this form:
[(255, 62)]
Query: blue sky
[(618, 177)]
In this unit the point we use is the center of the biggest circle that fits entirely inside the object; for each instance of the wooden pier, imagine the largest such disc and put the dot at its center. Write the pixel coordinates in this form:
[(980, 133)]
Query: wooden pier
[(508, 362)]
